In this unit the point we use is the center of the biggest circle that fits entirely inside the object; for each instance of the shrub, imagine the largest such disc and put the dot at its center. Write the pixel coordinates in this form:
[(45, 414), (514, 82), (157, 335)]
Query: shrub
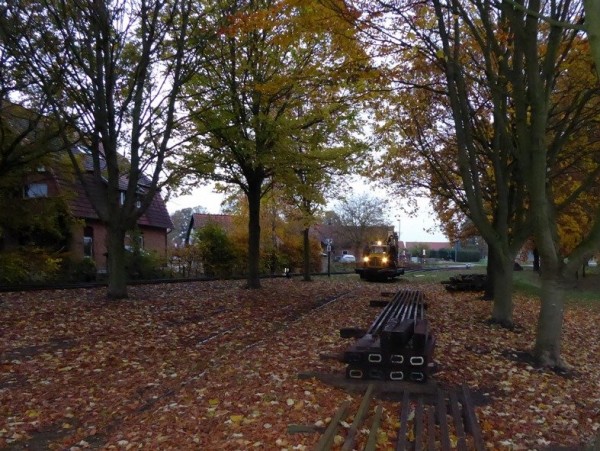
[(12, 269), (143, 265), (467, 255), (185, 261), (216, 249), (28, 265), (83, 270)]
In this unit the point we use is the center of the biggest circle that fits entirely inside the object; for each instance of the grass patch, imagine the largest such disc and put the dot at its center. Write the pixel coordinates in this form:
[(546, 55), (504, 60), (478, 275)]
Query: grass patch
[(586, 290), (439, 275), (527, 282)]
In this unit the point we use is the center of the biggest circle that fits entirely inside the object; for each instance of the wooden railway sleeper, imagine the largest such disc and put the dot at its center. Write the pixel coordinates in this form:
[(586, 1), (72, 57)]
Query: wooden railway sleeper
[(430, 428)]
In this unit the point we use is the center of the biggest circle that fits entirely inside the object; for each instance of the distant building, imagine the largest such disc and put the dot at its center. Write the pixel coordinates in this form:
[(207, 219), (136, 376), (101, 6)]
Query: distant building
[(348, 239)]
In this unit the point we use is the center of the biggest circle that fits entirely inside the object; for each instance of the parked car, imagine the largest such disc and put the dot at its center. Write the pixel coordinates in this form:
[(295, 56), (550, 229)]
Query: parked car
[(347, 258)]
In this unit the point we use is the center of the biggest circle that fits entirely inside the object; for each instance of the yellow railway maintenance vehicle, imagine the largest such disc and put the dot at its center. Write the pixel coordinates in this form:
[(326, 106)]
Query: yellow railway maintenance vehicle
[(380, 261)]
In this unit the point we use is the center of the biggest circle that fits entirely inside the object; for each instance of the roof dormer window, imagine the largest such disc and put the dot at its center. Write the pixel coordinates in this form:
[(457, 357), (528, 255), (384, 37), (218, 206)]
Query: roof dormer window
[(138, 202), (83, 149), (33, 190)]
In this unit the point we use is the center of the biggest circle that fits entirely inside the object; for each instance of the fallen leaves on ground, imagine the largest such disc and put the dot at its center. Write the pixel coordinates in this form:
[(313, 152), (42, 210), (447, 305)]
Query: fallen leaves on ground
[(214, 366)]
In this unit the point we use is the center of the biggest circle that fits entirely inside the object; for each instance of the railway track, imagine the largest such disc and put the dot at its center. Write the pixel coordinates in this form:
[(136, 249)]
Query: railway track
[(90, 285)]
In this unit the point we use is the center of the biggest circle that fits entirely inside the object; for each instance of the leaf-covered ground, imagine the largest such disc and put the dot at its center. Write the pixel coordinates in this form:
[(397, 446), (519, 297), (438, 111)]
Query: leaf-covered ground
[(213, 366)]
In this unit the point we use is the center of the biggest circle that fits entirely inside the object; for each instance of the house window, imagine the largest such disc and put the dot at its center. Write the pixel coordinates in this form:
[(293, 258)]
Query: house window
[(88, 242), (138, 202), (135, 242), (35, 190), (140, 241)]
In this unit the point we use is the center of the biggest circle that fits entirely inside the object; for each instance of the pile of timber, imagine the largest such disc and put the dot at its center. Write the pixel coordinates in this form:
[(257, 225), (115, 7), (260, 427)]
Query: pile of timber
[(398, 345), (466, 282)]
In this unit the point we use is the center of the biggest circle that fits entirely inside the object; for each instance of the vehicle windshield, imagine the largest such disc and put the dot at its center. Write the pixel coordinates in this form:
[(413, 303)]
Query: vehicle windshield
[(378, 249)]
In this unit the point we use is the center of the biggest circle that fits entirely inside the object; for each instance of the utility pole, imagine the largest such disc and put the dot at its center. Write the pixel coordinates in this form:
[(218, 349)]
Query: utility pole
[(328, 241)]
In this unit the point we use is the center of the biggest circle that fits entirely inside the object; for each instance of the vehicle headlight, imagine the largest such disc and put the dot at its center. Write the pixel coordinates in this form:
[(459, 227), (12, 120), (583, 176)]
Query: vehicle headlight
[(384, 259), (366, 259)]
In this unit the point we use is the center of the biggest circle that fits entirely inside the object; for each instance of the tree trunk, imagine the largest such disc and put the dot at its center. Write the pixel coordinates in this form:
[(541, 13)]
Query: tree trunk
[(488, 294), (306, 254), (536, 260), (550, 322), (592, 22), (117, 275), (253, 237), (553, 269), (501, 271)]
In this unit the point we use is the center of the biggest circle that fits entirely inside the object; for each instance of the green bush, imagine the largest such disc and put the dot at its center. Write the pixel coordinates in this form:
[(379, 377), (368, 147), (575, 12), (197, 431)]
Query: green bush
[(28, 265), (143, 265), (216, 249), (443, 254), (12, 269), (466, 255), (463, 255), (83, 270)]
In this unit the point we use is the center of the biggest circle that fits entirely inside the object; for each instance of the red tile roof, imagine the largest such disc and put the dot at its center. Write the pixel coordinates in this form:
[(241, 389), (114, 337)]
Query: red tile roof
[(156, 215), (199, 220), (81, 205)]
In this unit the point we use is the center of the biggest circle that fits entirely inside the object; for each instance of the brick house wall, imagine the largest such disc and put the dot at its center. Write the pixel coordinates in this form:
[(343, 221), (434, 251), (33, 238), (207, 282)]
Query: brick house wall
[(154, 240), (154, 224)]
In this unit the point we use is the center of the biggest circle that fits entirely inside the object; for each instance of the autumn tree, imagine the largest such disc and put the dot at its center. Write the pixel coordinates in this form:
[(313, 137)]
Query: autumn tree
[(35, 235), (281, 243), (323, 155), (268, 60), (25, 137), (523, 57), (309, 200), (466, 169), (534, 70), (575, 185), (25, 134), (590, 23), (304, 195), (112, 71), (358, 215)]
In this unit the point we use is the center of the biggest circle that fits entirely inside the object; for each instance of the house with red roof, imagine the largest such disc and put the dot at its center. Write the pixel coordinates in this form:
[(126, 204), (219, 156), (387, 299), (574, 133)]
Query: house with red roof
[(49, 174), (90, 239), (88, 235)]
